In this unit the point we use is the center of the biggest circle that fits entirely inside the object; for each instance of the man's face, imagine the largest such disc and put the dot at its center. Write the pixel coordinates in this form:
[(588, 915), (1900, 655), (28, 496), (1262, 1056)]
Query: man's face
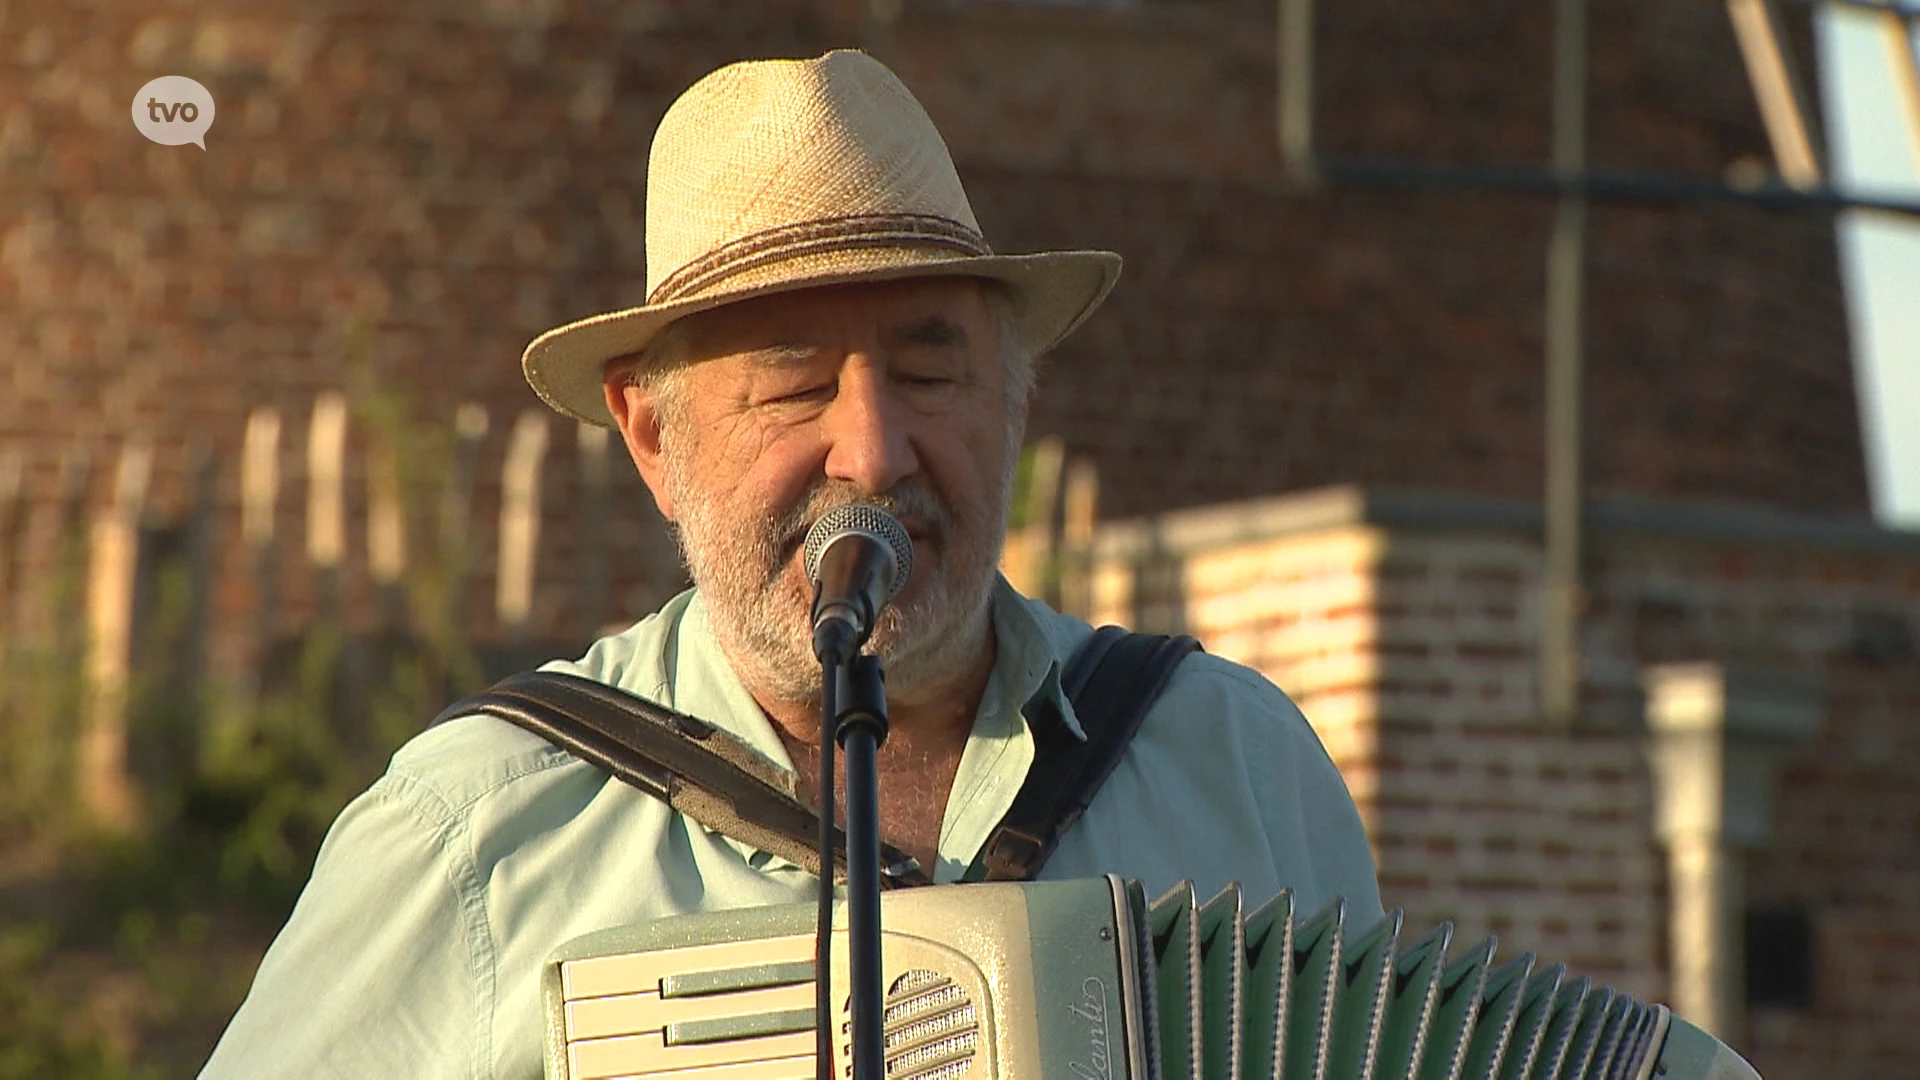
[(893, 394)]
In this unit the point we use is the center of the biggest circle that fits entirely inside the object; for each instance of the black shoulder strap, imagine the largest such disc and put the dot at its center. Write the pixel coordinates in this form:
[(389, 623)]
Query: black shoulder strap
[(719, 781), (1112, 680)]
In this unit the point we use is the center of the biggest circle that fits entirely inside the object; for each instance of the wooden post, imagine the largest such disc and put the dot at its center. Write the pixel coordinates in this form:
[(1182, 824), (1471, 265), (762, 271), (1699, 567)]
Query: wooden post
[(106, 788), (1080, 515), (326, 498), (1785, 107), (595, 495), (259, 503), (386, 535), (520, 523)]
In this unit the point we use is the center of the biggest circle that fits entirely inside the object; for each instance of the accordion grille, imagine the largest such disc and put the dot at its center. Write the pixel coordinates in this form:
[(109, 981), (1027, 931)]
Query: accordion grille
[(931, 1028), (1268, 995)]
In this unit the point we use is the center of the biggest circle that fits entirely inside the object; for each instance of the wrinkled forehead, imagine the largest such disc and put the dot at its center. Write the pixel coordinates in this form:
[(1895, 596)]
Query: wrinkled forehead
[(930, 312)]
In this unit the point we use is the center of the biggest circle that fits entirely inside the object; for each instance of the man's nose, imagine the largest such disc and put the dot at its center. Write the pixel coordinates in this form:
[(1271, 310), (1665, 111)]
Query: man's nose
[(866, 431)]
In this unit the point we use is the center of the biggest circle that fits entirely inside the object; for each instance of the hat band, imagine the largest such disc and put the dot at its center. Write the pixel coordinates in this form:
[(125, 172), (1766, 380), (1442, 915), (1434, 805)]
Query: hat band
[(813, 237)]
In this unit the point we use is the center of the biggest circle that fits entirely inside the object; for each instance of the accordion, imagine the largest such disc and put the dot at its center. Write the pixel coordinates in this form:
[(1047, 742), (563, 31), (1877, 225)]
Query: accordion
[(1087, 980)]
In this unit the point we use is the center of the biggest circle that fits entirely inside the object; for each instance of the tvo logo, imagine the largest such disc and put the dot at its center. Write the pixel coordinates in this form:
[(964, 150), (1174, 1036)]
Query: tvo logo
[(158, 112), (173, 110)]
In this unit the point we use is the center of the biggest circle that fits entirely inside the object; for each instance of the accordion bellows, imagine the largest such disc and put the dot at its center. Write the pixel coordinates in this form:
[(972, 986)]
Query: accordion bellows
[(1087, 980)]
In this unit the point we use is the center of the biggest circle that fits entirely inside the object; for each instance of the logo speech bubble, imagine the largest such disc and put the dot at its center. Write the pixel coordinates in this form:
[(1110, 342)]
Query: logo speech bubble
[(172, 110)]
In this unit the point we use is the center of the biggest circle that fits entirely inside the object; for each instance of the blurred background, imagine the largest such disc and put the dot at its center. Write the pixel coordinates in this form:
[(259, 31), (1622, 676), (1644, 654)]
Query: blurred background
[(1531, 391)]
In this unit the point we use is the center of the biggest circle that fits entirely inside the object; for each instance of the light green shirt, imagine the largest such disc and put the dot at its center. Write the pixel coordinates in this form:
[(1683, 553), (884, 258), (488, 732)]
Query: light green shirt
[(416, 948)]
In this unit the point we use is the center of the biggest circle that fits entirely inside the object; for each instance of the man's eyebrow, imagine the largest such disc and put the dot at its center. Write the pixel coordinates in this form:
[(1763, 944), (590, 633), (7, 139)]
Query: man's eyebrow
[(781, 356), (932, 330)]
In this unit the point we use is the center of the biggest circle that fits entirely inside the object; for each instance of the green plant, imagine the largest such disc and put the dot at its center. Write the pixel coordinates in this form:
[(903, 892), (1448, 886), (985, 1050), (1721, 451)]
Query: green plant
[(238, 785)]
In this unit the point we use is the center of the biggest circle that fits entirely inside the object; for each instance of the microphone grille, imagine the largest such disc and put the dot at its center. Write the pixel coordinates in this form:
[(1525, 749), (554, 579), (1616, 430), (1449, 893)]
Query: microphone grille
[(867, 520)]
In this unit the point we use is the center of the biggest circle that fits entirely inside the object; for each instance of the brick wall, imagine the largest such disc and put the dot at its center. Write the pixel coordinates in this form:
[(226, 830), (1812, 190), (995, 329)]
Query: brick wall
[(1404, 627), (1846, 840), (425, 187), (428, 186)]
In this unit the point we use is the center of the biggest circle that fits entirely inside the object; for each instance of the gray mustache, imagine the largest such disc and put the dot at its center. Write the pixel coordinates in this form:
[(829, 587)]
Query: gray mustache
[(914, 505)]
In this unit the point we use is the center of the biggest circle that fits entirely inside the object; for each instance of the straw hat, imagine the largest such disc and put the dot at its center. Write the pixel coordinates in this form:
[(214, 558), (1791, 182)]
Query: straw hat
[(775, 175)]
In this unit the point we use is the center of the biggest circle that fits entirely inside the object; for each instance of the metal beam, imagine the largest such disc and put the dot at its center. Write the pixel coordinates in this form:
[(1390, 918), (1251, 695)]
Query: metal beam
[(1563, 588), (1295, 106), (1305, 167), (1604, 188)]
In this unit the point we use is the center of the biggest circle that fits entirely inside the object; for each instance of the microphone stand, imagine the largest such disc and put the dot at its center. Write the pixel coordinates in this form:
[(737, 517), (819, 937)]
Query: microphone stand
[(860, 729), (853, 716)]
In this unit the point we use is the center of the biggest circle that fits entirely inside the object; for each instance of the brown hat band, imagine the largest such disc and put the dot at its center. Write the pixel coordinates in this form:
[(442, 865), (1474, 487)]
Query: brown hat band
[(813, 237)]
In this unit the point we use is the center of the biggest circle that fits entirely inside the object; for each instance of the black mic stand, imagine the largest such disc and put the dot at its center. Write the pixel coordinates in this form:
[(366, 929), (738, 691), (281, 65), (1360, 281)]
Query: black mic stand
[(853, 715), (860, 729)]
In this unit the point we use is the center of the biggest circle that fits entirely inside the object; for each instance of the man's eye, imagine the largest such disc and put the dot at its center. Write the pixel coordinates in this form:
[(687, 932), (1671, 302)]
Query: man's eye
[(817, 392)]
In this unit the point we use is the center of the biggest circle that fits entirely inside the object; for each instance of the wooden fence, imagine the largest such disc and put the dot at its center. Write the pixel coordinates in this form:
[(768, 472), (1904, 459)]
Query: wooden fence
[(521, 545)]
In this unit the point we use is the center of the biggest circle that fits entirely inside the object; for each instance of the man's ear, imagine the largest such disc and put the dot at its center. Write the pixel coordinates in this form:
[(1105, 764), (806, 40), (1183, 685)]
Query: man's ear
[(638, 422)]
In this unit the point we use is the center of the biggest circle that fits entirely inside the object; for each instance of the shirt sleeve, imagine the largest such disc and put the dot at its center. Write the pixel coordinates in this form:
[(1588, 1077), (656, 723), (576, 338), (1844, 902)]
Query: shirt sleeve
[(1312, 822), (385, 967)]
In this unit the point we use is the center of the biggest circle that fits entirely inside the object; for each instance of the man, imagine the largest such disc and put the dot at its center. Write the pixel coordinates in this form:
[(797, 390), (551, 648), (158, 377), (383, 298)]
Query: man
[(824, 325)]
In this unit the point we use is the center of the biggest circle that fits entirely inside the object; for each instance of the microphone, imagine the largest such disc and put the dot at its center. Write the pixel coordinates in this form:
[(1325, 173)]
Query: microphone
[(858, 558)]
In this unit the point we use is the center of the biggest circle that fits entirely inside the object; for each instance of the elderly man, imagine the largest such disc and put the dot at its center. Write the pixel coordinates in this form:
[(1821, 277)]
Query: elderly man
[(824, 325)]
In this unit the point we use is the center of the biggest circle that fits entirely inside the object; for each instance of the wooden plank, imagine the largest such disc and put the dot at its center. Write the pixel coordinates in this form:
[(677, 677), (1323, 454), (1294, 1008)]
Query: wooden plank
[(259, 509), (1785, 107), (326, 498), (520, 522), (386, 534), (260, 477), (106, 788)]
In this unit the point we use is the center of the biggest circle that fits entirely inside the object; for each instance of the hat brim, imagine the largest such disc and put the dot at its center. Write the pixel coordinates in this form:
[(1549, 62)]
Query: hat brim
[(1053, 293)]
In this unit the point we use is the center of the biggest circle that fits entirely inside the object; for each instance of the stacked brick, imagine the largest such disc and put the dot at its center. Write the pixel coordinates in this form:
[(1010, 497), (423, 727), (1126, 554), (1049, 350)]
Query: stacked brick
[(1412, 656), (1406, 636)]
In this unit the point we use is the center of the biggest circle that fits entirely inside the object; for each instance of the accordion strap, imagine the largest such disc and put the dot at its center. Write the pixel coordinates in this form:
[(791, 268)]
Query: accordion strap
[(1112, 680), (712, 777), (691, 765)]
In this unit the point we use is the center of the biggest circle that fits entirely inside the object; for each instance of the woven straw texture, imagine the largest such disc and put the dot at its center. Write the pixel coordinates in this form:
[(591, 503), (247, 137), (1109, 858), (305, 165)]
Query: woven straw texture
[(775, 175)]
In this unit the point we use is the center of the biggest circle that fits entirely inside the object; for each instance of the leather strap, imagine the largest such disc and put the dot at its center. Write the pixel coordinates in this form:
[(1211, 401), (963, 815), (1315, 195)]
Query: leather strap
[(719, 781), (1112, 681), (691, 765)]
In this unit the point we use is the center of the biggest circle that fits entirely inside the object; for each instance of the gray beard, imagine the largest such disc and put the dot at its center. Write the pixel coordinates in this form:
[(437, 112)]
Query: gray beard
[(760, 607)]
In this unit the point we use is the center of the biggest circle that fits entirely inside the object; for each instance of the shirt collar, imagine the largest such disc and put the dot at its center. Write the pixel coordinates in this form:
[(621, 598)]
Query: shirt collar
[(1022, 696), (1028, 664), (1032, 660)]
